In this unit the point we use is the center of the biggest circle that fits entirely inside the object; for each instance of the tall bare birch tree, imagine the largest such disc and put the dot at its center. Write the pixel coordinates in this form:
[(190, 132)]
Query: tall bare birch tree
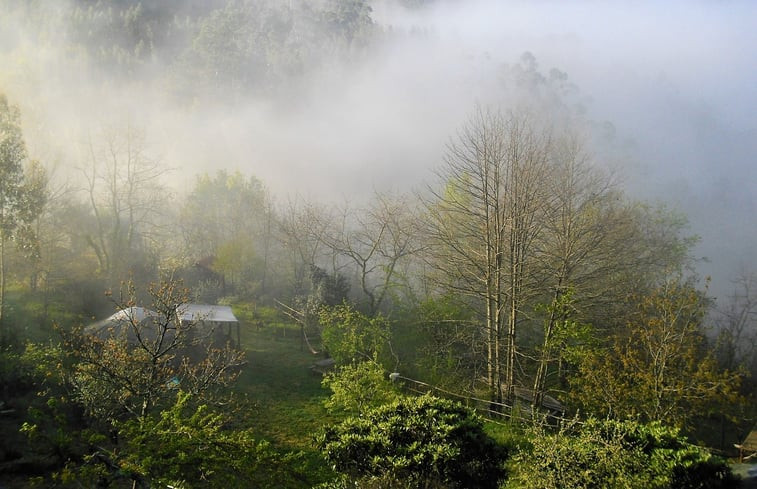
[(483, 221), (584, 240)]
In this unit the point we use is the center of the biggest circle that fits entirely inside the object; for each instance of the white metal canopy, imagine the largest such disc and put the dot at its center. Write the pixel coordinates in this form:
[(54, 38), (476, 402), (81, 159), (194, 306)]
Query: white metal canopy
[(205, 312)]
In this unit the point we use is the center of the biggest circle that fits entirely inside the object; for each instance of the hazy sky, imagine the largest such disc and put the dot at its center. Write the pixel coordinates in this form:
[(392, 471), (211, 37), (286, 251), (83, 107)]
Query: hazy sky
[(677, 80)]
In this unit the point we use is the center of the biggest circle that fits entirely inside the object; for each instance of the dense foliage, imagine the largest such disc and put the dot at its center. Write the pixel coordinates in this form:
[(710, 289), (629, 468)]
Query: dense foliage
[(616, 454), (358, 387), (194, 447), (660, 368), (419, 441), (128, 369), (22, 197), (350, 335)]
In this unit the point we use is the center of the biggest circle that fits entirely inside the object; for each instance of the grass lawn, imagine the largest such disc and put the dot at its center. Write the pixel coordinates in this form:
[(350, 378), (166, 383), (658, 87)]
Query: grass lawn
[(287, 396)]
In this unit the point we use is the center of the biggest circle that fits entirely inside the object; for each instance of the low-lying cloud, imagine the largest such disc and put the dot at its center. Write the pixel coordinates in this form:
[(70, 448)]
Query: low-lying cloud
[(674, 84)]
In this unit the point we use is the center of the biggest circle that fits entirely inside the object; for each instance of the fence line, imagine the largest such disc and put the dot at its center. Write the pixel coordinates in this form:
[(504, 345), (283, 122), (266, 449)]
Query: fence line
[(492, 410)]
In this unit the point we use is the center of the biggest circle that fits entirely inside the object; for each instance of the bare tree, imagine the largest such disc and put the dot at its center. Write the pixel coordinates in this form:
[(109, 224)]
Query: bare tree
[(301, 229), (125, 194), (584, 232), (483, 222), (126, 369), (595, 250), (737, 325), (378, 240)]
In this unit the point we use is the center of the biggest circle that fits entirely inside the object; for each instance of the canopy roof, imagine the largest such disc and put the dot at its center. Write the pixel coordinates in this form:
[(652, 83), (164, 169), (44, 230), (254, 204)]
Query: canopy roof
[(136, 324), (197, 313), (136, 314), (205, 312), (750, 443), (115, 323)]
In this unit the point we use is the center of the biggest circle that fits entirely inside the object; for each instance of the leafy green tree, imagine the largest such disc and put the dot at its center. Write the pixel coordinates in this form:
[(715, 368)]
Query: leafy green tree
[(117, 37), (229, 217), (244, 47), (29, 237), (439, 347), (230, 47), (142, 386), (21, 201), (349, 21), (328, 290), (35, 404), (565, 339), (659, 367), (420, 441), (186, 446), (616, 454)]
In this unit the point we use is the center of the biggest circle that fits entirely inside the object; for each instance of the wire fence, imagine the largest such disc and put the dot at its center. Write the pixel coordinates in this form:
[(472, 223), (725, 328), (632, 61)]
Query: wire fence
[(521, 413), (496, 412)]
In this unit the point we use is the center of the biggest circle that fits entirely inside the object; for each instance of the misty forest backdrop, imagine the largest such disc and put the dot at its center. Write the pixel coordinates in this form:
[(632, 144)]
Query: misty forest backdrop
[(553, 198)]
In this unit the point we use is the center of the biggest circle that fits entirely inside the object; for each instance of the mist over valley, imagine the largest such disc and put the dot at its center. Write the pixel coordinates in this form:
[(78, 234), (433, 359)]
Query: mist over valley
[(256, 243)]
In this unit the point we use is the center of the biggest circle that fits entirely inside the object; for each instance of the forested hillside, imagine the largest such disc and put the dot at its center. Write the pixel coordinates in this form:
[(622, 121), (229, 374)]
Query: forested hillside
[(372, 195)]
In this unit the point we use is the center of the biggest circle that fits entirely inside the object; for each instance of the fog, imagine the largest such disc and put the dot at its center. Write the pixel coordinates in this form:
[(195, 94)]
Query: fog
[(669, 88)]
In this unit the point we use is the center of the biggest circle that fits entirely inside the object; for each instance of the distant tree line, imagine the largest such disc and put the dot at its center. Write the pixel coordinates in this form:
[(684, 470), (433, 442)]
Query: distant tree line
[(218, 49)]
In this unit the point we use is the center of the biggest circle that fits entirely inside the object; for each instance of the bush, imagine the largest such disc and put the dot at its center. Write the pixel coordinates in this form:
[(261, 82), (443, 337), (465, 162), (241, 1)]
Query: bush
[(44, 421), (350, 335), (422, 442), (357, 387), (188, 446), (614, 454)]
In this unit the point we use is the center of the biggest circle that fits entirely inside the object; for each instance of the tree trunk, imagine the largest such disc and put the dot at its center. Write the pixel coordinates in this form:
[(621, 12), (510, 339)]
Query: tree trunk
[(541, 373)]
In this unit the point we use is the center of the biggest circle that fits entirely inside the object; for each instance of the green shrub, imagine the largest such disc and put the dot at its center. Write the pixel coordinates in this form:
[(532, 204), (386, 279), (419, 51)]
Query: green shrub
[(422, 442), (350, 335), (615, 454), (357, 387), (192, 447)]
